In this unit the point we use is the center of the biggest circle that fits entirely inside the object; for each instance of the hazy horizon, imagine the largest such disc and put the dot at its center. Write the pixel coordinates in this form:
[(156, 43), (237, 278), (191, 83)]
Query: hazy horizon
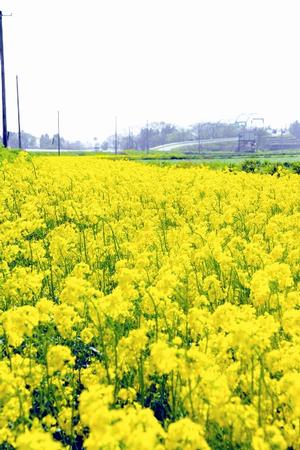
[(171, 61)]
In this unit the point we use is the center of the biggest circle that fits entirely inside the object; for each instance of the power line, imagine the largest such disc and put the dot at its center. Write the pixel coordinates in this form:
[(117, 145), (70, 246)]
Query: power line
[(116, 135), (58, 134), (18, 106)]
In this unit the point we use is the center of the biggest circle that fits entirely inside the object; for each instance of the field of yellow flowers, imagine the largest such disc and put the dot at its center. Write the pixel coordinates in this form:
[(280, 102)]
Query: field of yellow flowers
[(147, 307)]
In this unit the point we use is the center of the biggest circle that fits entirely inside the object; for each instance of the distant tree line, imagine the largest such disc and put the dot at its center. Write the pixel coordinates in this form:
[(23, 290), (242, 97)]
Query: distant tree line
[(153, 135), (160, 133), (44, 141), (28, 140), (295, 129)]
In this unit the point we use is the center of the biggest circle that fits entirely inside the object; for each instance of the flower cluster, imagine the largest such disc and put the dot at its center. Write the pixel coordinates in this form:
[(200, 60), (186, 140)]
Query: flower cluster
[(146, 307)]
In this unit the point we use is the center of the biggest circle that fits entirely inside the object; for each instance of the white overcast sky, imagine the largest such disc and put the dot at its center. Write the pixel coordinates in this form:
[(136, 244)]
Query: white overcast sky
[(180, 61)]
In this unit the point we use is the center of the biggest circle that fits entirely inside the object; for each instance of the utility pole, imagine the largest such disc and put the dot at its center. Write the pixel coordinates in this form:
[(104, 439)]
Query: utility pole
[(129, 139), (4, 122), (116, 135), (18, 106), (199, 137), (147, 137), (58, 134)]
